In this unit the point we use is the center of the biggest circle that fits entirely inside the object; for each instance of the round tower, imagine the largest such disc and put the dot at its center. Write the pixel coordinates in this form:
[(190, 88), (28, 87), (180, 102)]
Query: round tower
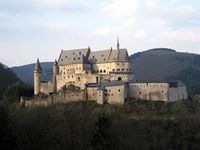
[(37, 77)]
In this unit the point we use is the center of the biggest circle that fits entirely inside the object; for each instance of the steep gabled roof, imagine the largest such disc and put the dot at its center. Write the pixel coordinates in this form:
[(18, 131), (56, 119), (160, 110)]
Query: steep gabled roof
[(76, 56)]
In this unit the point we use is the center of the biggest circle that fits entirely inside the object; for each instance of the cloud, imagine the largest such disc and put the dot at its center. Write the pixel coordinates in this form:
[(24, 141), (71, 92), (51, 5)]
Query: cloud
[(140, 34), (188, 36), (121, 7), (58, 25), (4, 14), (151, 4), (106, 30), (185, 10), (157, 22)]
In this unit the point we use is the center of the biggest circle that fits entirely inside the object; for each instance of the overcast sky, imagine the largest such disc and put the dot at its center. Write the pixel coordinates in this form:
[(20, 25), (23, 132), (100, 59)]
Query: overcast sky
[(41, 28)]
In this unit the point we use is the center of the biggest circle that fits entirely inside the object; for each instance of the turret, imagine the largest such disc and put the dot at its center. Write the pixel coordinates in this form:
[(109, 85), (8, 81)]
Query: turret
[(37, 77), (117, 43), (55, 68)]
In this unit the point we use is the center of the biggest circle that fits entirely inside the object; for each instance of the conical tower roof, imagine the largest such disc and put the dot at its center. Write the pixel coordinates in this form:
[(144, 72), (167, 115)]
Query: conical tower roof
[(37, 66), (55, 63)]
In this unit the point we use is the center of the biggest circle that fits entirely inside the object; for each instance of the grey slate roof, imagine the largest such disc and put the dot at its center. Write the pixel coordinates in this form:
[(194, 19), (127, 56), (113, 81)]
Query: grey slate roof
[(76, 56), (108, 56), (85, 56)]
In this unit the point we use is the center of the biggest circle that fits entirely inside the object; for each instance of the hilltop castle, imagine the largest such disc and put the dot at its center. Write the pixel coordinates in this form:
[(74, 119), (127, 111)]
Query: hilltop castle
[(105, 76)]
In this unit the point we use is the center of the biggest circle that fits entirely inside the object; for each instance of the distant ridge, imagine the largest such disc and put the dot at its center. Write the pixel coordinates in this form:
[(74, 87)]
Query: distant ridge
[(25, 72)]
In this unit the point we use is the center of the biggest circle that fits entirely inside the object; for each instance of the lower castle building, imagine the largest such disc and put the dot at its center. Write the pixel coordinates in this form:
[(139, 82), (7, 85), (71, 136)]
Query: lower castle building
[(106, 76)]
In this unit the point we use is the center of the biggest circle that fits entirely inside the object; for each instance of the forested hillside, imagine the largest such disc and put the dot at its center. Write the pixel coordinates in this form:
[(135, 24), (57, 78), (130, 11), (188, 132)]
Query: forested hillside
[(167, 64), (87, 125), (7, 77)]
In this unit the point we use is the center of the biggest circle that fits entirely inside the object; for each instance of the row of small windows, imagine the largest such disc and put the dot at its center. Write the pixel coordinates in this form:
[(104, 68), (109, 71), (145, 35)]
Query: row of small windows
[(141, 92), (73, 58), (148, 85), (68, 76), (72, 69), (123, 69)]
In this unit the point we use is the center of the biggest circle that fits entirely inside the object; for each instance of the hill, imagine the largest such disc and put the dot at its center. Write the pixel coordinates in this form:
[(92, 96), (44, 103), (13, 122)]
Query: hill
[(165, 64), (25, 73), (7, 77)]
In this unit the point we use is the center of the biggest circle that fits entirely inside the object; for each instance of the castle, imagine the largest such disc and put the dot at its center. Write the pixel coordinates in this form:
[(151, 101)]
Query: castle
[(105, 76)]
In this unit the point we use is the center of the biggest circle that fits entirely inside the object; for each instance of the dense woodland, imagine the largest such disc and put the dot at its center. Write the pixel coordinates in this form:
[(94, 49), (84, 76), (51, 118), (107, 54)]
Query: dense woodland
[(88, 126)]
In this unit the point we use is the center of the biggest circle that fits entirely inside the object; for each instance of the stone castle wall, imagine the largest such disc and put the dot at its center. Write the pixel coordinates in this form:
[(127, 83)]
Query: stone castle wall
[(62, 97)]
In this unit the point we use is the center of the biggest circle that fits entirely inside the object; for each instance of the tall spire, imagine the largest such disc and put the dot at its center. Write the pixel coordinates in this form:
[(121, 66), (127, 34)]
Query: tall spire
[(37, 66), (117, 43)]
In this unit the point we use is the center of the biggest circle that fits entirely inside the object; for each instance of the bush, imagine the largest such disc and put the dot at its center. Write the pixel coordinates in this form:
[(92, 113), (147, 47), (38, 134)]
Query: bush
[(13, 92)]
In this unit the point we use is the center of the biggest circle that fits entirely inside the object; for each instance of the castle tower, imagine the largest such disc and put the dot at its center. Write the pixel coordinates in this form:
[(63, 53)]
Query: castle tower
[(37, 77)]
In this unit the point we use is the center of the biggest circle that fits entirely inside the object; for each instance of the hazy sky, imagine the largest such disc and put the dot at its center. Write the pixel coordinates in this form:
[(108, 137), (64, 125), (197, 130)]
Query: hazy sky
[(41, 28)]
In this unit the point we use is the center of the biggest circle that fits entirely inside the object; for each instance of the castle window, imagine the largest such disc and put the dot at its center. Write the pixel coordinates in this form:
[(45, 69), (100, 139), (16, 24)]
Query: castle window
[(102, 55), (72, 76), (76, 68), (93, 56), (118, 69), (114, 58), (126, 69), (78, 58), (117, 64), (119, 90), (65, 56), (74, 58), (113, 70), (97, 71), (73, 53), (104, 59), (104, 71), (61, 59), (123, 69), (79, 53), (79, 79), (140, 93), (100, 71), (68, 76), (119, 78)]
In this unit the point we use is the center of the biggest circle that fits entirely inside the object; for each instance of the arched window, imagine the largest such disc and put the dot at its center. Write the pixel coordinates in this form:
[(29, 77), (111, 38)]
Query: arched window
[(119, 78)]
